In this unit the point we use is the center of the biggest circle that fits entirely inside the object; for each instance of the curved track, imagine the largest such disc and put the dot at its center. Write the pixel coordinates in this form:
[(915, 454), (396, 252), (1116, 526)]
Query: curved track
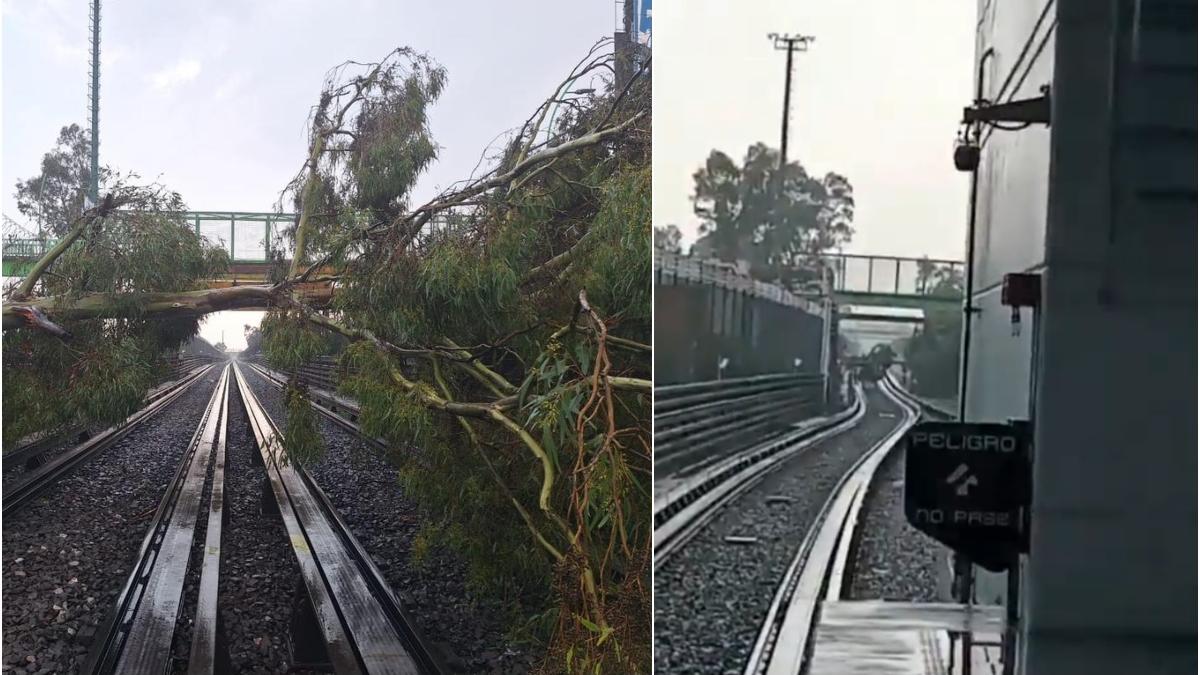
[(742, 543), (819, 569)]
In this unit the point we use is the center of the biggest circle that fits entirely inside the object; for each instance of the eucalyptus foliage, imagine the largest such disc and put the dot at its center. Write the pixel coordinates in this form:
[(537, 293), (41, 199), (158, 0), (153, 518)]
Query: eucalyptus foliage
[(499, 338), (780, 219), (134, 244), (56, 196)]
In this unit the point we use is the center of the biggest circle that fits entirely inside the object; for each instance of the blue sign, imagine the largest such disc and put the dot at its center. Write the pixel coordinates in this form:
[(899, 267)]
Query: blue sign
[(642, 25)]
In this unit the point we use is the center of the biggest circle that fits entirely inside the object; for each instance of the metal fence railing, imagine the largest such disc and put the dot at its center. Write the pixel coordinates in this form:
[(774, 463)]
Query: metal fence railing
[(853, 273), (26, 248), (701, 416), (676, 269), (248, 237)]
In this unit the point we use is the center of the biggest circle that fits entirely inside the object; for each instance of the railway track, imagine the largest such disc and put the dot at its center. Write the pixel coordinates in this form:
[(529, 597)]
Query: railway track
[(138, 633), (741, 545), (33, 482), (359, 475), (695, 423), (34, 453), (693, 498), (820, 569), (324, 396), (347, 619), (322, 374)]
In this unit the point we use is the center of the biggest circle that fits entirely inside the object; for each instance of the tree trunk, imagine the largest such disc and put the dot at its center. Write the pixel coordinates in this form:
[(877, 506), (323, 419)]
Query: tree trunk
[(162, 305)]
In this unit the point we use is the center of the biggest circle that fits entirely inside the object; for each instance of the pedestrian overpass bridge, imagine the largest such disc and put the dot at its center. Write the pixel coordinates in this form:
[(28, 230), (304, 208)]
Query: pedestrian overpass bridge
[(890, 281), (246, 236), (863, 282)]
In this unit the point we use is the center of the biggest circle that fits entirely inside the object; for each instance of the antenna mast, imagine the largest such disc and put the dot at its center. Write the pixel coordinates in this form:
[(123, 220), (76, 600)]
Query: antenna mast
[(94, 100)]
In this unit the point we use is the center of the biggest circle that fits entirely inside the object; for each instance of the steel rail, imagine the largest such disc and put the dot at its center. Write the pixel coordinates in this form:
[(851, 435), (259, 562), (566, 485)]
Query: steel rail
[(668, 425), (724, 416), (670, 397), (323, 400), (379, 585), (928, 408), (702, 497), (691, 420), (34, 449), (139, 629), (50, 472), (207, 654), (360, 618), (818, 571), (748, 420)]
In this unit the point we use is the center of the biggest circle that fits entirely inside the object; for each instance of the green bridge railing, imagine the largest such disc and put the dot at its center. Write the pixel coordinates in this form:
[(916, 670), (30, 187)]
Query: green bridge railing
[(246, 235)]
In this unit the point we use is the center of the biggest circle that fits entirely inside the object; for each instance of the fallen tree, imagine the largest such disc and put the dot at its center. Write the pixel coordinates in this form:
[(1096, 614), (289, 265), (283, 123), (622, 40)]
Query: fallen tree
[(499, 331)]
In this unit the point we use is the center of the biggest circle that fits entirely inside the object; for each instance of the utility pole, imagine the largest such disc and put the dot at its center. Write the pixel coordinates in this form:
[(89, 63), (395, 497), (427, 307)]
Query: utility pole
[(791, 44), (94, 96), (623, 42)]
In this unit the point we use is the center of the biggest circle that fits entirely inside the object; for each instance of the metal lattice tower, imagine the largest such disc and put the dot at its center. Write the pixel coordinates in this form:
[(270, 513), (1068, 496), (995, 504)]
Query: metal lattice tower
[(94, 101)]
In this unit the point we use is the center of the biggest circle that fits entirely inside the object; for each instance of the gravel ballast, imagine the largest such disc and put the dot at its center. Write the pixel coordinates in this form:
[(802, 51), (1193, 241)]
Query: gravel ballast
[(14, 472), (68, 553), (712, 596), (259, 573), (893, 560), (364, 488)]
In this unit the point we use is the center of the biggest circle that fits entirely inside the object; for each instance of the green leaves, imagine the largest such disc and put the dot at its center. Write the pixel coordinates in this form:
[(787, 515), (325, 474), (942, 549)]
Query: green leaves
[(55, 197), (776, 218), (369, 142), (289, 341), (465, 292), (302, 440), (48, 385), (617, 268)]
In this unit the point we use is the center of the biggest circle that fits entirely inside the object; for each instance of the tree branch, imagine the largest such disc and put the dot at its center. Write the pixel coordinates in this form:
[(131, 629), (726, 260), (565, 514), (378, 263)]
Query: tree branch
[(496, 379), (483, 185), (153, 305), (81, 224), (478, 446)]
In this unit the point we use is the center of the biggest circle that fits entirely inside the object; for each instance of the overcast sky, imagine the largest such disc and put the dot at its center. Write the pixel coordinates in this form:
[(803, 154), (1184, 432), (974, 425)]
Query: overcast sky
[(211, 96), (877, 98)]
